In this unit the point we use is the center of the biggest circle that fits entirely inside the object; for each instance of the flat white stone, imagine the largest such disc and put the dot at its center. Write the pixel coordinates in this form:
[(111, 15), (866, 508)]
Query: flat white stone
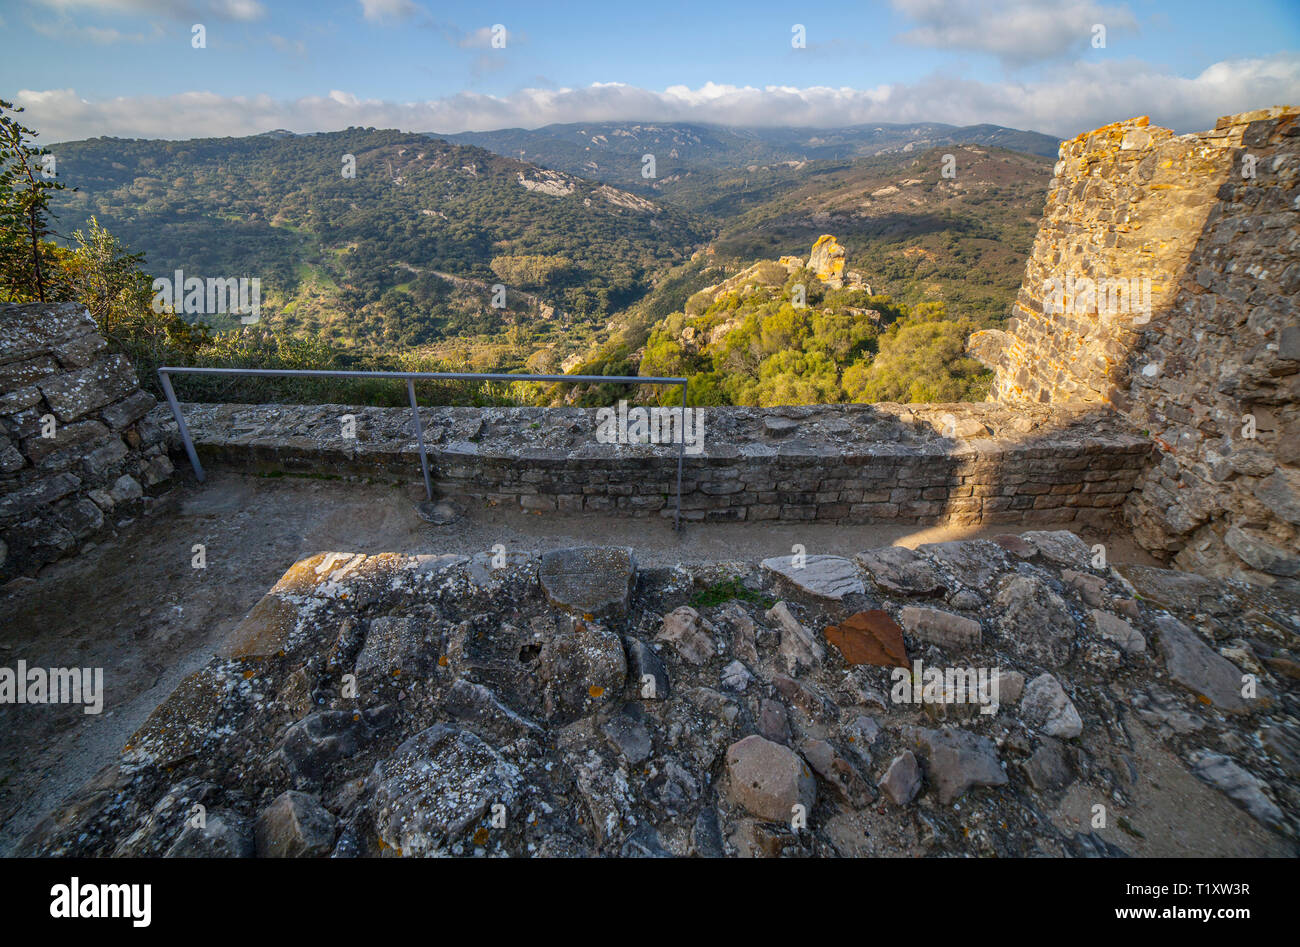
[(830, 577)]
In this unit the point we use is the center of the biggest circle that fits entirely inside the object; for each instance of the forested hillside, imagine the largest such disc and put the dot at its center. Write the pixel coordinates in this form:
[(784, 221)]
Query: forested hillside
[(796, 331), (404, 254), (947, 250), (397, 262), (912, 231)]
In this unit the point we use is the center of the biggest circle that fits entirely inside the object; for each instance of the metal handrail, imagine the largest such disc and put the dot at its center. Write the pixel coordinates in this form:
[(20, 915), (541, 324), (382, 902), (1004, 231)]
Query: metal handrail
[(165, 372)]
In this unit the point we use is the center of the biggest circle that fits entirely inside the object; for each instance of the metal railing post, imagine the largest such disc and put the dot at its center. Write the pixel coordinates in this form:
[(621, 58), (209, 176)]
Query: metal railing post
[(180, 423), (419, 438), (681, 450)]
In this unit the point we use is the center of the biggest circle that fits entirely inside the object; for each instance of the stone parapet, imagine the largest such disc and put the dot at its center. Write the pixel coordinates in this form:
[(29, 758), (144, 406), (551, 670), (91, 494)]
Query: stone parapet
[(965, 464)]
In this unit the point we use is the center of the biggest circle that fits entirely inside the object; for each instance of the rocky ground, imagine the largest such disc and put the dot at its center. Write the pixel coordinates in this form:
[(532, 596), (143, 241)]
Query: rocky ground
[(572, 703)]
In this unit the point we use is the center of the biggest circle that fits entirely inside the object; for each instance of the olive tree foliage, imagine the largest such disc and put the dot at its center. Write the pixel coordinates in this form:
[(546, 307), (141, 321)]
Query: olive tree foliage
[(26, 182)]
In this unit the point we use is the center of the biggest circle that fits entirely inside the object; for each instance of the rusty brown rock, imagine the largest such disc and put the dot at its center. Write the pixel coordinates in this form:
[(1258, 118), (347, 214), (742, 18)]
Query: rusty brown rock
[(869, 638)]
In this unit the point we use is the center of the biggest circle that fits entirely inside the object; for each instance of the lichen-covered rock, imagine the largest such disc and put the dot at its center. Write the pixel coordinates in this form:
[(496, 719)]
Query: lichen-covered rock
[(827, 261), (294, 826), (392, 644), (589, 580), (899, 569), (1046, 707), (1036, 621), (971, 563), (1060, 546), (958, 760), (627, 730), (942, 628), (831, 577), (483, 712), (1192, 663), (435, 786), (316, 742), (580, 668), (692, 638), (220, 835)]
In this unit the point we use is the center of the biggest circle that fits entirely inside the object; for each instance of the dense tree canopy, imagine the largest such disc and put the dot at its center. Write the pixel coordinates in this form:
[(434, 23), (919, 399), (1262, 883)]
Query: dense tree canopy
[(757, 348)]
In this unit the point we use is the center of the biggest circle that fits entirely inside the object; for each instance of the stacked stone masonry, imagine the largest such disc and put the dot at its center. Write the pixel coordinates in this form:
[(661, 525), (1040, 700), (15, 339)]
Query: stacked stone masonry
[(1212, 373), (77, 447), (916, 464)]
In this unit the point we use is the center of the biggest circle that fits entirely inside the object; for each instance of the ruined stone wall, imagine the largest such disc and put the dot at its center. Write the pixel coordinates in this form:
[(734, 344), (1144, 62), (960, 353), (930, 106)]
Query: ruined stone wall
[(914, 464), (1210, 220), (1216, 378), (76, 447)]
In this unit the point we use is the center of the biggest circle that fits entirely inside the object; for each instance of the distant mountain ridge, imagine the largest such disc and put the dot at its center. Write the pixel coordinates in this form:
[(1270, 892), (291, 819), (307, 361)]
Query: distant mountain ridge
[(612, 151)]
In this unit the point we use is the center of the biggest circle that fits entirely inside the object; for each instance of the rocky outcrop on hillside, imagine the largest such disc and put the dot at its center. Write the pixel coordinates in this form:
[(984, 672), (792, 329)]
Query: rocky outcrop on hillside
[(829, 261), (573, 703)]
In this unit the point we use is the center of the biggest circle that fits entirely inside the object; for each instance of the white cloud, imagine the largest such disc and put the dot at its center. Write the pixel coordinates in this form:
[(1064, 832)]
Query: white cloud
[(1075, 98), (1016, 31), (284, 45), (65, 29), (238, 9), (141, 7), (480, 38), (247, 10), (377, 11)]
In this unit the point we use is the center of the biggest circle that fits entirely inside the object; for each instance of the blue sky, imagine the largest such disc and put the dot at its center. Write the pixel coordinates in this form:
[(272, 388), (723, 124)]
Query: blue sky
[(127, 67)]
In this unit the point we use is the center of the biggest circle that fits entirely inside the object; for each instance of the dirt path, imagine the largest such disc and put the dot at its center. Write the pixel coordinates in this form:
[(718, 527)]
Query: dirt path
[(136, 607)]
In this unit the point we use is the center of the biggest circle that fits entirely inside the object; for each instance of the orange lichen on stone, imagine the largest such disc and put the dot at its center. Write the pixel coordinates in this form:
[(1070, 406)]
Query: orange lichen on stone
[(263, 631)]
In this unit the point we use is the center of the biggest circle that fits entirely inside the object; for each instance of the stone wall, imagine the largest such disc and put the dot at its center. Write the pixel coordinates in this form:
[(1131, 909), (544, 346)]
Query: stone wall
[(76, 445), (1212, 373), (915, 464), (1216, 379)]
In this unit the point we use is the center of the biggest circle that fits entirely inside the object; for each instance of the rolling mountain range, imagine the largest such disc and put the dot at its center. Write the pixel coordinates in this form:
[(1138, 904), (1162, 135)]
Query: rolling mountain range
[(613, 152), (403, 257), (329, 247)]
